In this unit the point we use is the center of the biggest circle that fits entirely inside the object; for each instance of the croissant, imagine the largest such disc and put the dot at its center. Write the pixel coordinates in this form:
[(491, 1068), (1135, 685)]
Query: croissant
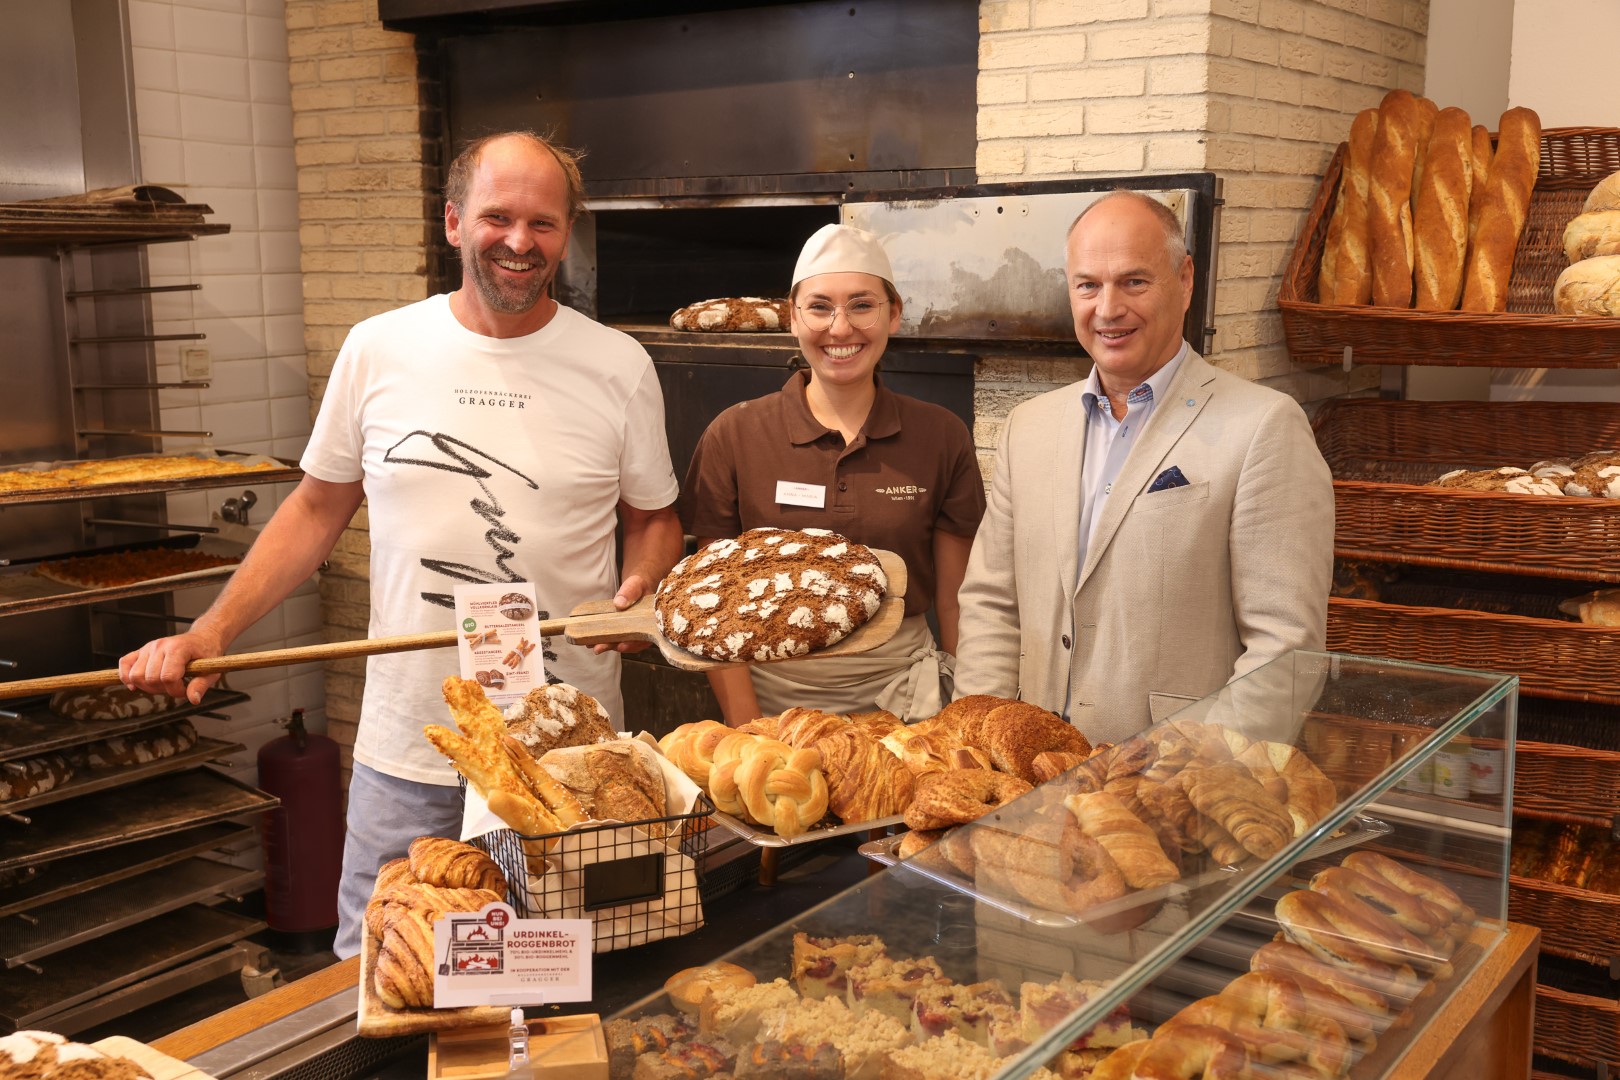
[(388, 904), (404, 976), (864, 781), (769, 783), (1168, 805), (1233, 799), (1131, 844), (436, 860), (800, 728), (393, 872)]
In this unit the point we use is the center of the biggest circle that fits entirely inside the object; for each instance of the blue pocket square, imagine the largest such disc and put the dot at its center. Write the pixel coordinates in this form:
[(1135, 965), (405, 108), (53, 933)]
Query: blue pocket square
[(1170, 478)]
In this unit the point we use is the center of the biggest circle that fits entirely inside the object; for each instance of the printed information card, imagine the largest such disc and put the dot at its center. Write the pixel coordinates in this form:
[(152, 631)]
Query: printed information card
[(498, 639), (491, 957)]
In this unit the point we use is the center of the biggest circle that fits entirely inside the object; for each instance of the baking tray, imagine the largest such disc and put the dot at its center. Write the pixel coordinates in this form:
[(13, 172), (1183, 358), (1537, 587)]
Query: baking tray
[(29, 998), (132, 812), (69, 877), (103, 911), (85, 781), (287, 470), (1357, 830), (22, 590), (39, 731), (765, 838)]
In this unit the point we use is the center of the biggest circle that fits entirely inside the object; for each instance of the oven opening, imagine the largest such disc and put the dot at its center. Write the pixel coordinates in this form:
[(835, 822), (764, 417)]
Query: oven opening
[(651, 262)]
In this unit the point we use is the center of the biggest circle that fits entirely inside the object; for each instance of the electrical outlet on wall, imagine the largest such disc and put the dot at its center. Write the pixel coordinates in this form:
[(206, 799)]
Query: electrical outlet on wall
[(195, 365)]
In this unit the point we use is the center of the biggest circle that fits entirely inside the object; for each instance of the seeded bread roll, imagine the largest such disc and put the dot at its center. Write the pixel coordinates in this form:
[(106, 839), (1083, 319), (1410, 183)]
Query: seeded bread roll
[(1502, 211), (769, 594)]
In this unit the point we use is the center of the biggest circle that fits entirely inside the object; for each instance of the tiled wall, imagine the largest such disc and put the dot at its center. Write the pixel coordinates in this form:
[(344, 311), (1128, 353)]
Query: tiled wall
[(213, 108)]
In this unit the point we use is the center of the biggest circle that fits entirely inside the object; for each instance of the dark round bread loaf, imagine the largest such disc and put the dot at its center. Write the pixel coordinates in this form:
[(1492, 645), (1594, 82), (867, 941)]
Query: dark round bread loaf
[(769, 594), (733, 314), (110, 703)]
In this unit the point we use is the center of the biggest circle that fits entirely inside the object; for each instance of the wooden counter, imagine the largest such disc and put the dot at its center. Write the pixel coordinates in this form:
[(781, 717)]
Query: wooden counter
[(1482, 1033)]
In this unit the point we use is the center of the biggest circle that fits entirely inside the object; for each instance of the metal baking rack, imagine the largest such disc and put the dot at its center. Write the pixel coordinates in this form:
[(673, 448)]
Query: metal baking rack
[(1357, 830), (765, 838), (288, 470), (85, 781), (22, 590)]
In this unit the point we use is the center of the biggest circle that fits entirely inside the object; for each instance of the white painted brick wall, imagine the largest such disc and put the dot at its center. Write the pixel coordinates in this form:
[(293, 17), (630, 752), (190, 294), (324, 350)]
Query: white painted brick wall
[(1258, 91)]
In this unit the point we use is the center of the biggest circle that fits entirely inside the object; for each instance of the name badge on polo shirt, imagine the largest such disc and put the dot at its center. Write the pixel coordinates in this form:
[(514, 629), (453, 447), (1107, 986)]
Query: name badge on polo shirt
[(789, 493)]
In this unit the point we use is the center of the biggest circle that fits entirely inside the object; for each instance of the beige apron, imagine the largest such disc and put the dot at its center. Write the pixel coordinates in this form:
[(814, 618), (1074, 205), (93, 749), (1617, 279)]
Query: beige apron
[(904, 675)]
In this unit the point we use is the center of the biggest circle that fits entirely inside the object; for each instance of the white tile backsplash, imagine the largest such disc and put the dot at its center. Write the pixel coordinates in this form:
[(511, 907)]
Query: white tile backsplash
[(163, 161), (151, 24), (230, 296), (154, 68), (212, 168), (212, 105), (237, 380), (213, 76), (216, 121), (220, 33), (267, 37), (157, 112)]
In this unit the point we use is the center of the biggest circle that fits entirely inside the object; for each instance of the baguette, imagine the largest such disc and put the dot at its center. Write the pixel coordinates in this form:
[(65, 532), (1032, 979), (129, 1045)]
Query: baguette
[(1484, 151), (1427, 112), (1389, 213), (557, 799), (1346, 276), (1440, 214), (1502, 211)]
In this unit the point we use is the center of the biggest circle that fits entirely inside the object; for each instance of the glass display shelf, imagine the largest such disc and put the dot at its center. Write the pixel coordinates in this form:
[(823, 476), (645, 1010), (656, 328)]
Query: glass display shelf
[(1288, 824)]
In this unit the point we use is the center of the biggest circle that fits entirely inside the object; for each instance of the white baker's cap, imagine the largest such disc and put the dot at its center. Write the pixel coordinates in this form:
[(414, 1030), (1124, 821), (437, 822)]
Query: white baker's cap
[(839, 249)]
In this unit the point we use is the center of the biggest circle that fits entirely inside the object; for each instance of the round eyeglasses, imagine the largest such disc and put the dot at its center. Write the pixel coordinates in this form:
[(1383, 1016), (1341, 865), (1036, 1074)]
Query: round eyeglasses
[(863, 314)]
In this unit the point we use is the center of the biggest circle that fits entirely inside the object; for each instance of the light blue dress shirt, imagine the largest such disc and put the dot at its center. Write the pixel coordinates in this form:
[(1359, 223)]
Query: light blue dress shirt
[(1109, 441)]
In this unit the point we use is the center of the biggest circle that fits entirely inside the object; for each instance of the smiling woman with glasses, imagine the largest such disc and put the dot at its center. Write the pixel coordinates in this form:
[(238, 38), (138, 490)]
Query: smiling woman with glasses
[(835, 449)]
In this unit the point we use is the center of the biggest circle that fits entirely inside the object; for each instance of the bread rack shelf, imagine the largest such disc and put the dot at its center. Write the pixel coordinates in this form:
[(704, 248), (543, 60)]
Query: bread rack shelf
[(86, 781)]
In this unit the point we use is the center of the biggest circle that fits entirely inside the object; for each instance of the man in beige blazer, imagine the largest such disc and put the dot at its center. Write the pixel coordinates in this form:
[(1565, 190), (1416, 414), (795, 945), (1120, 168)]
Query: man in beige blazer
[(1154, 530)]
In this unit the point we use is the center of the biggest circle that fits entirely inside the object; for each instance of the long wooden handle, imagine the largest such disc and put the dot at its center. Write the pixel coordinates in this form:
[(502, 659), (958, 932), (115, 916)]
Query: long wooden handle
[(301, 654)]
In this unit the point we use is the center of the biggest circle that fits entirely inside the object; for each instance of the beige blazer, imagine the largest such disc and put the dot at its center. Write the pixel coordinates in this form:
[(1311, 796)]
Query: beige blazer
[(1183, 589)]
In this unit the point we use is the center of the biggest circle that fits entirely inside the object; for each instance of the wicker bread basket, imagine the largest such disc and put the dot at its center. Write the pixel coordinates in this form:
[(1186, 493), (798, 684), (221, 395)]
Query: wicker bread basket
[(1567, 783), (1551, 658), (1576, 923), (1578, 1028), (1528, 334), (1382, 453)]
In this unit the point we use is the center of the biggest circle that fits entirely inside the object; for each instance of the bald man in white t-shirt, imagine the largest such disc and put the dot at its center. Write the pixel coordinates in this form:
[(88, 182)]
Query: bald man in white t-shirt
[(497, 436)]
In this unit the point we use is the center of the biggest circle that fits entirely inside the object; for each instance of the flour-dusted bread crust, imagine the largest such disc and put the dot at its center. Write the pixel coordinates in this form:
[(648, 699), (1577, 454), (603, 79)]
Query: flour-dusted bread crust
[(1589, 287), (33, 776), (110, 703), (769, 594), (141, 748), (558, 715), (1512, 480), (732, 314)]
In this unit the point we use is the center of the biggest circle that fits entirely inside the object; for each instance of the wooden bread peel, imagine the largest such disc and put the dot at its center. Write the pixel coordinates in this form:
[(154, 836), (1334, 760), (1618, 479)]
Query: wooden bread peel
[(593, 623)]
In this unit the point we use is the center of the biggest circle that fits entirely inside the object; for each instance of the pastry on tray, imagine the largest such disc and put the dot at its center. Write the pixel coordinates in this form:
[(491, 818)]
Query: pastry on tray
[(128, 567), (130, 470)]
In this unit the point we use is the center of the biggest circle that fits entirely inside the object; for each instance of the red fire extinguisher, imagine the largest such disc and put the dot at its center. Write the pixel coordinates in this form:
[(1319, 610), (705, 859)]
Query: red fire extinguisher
[(303, 837)]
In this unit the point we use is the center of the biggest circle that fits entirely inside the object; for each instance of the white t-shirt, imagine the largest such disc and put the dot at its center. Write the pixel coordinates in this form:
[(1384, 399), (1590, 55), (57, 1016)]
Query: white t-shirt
[(485, 459)]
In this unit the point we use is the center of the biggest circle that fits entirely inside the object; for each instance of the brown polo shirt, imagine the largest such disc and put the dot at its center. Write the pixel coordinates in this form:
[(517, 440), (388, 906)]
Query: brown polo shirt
[(909, 471)]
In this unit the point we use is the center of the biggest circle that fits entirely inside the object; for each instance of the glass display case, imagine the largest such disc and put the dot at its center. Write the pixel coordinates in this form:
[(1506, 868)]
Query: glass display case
[(1293, 874)]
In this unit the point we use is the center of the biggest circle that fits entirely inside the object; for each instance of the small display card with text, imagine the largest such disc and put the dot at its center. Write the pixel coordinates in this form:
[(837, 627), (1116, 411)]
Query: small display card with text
[(492, 957)]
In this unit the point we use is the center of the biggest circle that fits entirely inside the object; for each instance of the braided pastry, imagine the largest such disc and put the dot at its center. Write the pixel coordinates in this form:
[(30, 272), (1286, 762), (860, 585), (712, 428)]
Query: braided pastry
[(1326, 930), (388, 904), (1131, 844), (1271, 1016), (454, 865), (691, 748), (404, 975), (1412, 913), (1121, 1064), (769, 783)]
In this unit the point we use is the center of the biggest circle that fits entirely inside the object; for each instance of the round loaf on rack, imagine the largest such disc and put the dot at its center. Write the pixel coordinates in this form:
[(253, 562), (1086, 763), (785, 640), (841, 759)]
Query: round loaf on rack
[(732, 314), (33, 776), (110, 703), (140, 748), (769, 594)]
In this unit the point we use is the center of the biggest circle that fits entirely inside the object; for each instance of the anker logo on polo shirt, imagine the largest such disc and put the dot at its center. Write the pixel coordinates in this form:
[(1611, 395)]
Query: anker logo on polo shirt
[(902, 492), (492, 399)]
